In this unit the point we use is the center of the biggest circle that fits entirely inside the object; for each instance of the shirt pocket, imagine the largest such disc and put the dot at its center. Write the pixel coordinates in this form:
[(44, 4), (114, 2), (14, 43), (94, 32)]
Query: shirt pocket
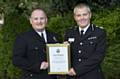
[(34, 50), (90, 43), (89, 47)]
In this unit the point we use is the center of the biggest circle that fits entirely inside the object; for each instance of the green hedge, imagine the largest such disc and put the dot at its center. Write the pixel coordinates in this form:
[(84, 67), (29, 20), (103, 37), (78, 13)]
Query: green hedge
[(110, 20), (15, 24)]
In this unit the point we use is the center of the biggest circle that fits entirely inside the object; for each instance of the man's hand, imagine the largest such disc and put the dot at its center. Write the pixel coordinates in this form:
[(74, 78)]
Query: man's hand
[(71, 72), (44, 65), (65, 42)]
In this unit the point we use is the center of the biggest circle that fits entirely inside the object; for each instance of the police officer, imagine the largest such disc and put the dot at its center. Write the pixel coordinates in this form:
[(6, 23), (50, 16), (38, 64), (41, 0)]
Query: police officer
[(29, 49), (88, 45)]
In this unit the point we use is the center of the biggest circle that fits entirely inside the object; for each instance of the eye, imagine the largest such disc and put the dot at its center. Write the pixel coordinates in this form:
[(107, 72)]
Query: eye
[(78, 15), (42, 18), (85, 14), (35, 18)]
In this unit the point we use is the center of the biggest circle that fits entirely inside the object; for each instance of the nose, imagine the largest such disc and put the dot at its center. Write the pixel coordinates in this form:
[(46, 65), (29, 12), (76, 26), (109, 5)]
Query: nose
[(82, 17), (39, 20)]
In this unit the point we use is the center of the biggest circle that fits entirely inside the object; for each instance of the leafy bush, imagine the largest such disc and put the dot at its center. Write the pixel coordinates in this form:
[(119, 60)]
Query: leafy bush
[(110, 20), (59, 24), (16, 23)]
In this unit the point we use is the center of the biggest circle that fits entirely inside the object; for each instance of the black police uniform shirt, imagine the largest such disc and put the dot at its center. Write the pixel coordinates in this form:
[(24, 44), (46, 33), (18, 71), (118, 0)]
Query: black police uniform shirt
[(87, 52), (29, 52)]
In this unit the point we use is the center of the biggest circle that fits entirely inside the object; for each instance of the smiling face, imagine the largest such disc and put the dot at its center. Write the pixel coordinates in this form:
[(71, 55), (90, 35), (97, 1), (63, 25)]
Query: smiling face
[(38, 20), (82, 16)]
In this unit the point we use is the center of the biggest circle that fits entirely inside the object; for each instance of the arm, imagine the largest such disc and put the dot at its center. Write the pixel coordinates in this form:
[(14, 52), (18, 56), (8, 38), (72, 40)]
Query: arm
[(20, 58)]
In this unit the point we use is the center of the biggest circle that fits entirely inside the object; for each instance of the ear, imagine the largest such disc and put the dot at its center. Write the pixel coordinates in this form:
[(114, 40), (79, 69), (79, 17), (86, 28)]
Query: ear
[(90, 14), (46, 20), (74, 17), (30, 20)]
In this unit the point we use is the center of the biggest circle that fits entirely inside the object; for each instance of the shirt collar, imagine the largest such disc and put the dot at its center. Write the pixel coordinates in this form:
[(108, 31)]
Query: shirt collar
[(85, 29), (44, 32)]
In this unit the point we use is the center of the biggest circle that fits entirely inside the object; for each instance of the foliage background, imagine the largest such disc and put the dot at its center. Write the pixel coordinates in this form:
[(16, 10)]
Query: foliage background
[(106, 14)]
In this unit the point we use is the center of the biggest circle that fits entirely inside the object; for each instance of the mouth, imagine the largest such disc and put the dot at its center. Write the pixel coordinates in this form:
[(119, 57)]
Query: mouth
[(40, 24), (83, 21)]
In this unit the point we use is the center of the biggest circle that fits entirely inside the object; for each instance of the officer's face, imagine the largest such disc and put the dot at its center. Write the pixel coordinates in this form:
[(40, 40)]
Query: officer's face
[(38, 20), (82, 16)]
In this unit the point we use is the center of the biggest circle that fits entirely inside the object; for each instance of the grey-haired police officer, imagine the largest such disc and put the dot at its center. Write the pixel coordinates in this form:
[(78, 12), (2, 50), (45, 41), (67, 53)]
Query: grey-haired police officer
[(88, 46)]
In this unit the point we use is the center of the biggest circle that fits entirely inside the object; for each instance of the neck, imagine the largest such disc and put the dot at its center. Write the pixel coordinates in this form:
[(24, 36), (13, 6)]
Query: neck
[(83, 27)]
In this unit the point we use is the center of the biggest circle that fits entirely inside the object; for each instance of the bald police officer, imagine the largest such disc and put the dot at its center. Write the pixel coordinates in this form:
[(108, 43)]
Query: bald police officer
[(29, 49), (88, 46)]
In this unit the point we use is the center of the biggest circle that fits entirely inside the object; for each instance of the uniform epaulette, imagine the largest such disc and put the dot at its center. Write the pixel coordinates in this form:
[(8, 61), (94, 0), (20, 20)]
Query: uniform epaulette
[(100, 27)]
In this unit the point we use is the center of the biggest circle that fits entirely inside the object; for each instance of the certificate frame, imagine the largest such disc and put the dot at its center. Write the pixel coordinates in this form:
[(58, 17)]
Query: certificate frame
[(58, 57)]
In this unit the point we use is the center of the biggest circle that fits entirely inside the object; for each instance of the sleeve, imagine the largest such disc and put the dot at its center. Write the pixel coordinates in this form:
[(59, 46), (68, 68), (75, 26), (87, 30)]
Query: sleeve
[(95, 59), (20, 58)]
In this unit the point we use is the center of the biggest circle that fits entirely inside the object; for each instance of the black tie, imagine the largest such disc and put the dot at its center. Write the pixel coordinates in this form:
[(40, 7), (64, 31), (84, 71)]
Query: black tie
[(81, 33), (42, 36)]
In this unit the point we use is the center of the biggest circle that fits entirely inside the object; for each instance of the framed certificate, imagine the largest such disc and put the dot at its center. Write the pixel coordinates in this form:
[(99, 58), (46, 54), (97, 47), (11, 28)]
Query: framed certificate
[(58, 57)]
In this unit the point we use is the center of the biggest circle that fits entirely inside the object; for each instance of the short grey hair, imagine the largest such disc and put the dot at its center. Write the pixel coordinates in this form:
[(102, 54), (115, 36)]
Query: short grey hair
[(82, 5)]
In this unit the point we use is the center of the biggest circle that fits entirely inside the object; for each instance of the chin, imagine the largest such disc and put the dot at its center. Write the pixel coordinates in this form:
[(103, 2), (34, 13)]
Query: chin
[(39, 27), (83, 25), (40, 30)]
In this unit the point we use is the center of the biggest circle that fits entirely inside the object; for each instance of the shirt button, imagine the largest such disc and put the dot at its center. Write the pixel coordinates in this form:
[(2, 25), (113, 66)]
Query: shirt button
[(81, 43), (31, 75), (79, 52), (91, 42), (79, 60), (36, 48)]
